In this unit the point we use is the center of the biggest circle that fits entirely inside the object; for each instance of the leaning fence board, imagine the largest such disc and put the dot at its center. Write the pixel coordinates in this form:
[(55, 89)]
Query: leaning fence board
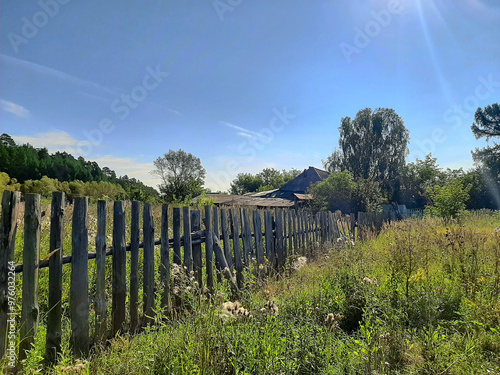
[(219, 254), (148, 264), (100, 297), (188, 247), (54, 315), (119, 287), (31, 255), (238, 263), (225, 239), (209, 249), (134, 265), (165, 260), (8, 230), (79, 289), (217, 235)]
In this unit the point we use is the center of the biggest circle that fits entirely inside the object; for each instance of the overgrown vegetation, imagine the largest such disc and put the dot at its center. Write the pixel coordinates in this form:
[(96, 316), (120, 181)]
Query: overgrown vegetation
[(422, 297)]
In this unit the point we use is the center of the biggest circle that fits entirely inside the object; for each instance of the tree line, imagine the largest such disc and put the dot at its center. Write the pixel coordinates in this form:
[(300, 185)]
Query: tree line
[(34, 170)]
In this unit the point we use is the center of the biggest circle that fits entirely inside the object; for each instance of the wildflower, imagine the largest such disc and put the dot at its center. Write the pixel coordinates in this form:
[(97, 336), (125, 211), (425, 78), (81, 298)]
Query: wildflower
[(261, 266)]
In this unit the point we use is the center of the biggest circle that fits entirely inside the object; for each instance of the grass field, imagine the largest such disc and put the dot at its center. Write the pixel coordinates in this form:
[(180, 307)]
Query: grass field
[(421, 298)]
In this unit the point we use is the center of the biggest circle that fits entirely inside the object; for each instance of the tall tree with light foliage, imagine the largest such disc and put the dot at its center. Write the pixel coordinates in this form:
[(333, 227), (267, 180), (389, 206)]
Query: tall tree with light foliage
[(372, 146), (182, 175)]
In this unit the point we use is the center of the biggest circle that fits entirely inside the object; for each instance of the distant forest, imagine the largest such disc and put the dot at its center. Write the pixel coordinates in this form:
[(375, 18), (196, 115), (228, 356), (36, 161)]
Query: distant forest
[(31, 169)]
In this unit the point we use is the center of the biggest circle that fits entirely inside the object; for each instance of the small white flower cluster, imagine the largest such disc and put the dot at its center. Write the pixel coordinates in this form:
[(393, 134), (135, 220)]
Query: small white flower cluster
[(270, 307), (234, 310), (367, 280), (299, 263), (332, 320)]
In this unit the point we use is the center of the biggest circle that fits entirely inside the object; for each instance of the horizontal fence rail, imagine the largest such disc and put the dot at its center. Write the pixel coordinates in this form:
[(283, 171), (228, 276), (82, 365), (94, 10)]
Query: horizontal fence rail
[(226, 241)]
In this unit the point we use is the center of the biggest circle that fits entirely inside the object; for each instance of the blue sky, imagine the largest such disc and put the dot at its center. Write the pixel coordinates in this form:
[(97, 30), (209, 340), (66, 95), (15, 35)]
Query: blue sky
[(242, 84)]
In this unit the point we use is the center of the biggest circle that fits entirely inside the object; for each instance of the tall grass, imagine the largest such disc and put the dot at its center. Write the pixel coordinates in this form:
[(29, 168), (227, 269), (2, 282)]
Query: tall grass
[(421, 298)]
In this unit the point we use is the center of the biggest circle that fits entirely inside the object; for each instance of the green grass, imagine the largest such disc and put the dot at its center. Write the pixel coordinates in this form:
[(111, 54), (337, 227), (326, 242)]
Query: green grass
[(420, 298)]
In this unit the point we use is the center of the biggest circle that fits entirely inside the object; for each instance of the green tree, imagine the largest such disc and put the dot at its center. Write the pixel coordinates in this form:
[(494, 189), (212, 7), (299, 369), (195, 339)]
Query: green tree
[(449, 201), (373, 146), (181, 173), (245, 183), (416, 178), (487, 125), (335, 192)]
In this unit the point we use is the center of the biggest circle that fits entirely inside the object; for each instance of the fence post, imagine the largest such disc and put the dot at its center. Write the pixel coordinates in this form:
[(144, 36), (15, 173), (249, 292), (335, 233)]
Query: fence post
[(148, 264), (197, 253), (238, 264), (79, 290), (54, 315), (279, 238), (100, 296), (134, 265), (8, 230), (177, 235), (119, 268), (209, 249), (225, 238), (165, 260), (188, 247), (31, 255)]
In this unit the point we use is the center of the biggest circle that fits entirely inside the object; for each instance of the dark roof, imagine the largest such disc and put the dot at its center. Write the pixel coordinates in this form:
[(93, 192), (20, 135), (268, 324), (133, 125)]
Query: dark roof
[(303, 181)]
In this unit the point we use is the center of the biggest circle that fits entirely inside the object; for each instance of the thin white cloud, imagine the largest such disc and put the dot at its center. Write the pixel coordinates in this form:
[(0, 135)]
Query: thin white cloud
[(247, 133), (54, 141), (56, 74), (14, 108)]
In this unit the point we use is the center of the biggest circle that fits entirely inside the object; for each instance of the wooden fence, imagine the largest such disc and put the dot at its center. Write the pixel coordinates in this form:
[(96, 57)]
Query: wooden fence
[(234, 236)]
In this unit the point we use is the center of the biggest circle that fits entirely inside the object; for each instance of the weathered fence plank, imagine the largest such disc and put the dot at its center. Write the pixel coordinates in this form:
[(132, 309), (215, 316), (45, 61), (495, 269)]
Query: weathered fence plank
[(31, 255), (268, 222), (285, 239), (119, 286), (54, 315), (209, 249), (134, 265), (8, 230), (219, 254), (246, 235), (100, 296), (197, 252), (79, 289), (188, 247), (259, 244), (294, 230), (148, 264), (165, 260), (238, 263), (290, 233), (225, 239), (279, 238), (217, 235), (176, 222)]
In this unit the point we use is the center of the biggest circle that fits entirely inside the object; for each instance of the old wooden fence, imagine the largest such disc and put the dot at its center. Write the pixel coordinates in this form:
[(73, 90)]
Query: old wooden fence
[(234, 236)]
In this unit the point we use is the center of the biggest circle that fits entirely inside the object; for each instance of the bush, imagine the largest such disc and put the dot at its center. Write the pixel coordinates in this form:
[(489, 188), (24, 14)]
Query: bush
[(448, 201)]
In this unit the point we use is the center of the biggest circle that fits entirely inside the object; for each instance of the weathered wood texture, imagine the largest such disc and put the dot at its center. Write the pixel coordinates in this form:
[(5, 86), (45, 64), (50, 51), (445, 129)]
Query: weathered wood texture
[(134, 265), (148, 264), (31, 255), (8, 230), (54, 315), (119, 286), (79, 289)]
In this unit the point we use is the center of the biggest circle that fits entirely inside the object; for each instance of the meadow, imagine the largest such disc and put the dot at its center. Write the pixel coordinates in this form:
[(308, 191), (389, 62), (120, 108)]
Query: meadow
[(422, 297)]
